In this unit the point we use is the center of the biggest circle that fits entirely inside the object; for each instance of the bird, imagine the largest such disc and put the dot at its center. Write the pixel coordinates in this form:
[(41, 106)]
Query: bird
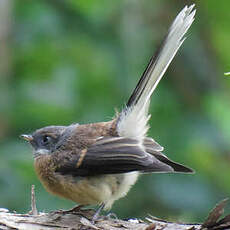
[(98, 163)]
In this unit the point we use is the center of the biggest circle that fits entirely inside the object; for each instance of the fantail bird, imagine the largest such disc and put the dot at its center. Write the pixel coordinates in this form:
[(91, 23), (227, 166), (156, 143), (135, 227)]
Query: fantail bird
[(98, 163)]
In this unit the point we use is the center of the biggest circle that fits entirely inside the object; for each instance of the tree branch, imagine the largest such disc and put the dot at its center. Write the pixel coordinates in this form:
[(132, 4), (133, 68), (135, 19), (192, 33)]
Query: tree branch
[(81, 219)]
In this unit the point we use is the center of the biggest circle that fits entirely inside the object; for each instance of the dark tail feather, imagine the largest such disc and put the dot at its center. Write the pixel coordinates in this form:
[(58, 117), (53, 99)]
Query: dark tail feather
[(160, 61), (176, 166)]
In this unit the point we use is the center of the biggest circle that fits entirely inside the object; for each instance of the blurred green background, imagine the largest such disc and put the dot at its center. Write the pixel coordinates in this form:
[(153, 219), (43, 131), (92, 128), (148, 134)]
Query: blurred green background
[(75, 61)]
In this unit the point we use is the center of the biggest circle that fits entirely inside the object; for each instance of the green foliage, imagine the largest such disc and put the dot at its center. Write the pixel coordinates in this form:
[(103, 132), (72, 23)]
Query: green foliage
[(75, 61)]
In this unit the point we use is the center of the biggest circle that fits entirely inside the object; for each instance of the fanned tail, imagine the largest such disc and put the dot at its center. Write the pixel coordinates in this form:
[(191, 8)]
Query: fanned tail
[(132, 121)]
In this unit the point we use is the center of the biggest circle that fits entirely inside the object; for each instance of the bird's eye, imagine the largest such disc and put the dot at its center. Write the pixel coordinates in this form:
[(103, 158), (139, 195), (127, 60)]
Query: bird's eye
[(46, 139)]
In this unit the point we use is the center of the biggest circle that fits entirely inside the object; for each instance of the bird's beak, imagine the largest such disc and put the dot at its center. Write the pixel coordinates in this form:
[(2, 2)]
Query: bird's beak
[(27, 137)]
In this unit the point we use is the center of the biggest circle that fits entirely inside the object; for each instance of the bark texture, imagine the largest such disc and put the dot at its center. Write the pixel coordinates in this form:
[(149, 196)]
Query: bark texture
[(80, 219)]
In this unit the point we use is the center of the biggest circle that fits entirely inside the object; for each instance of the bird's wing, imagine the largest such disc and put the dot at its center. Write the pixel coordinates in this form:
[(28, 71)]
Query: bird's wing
[(111, 155)]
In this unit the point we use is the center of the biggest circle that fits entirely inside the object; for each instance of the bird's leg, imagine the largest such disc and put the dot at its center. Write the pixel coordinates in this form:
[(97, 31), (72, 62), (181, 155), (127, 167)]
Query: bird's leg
[(97, 213)]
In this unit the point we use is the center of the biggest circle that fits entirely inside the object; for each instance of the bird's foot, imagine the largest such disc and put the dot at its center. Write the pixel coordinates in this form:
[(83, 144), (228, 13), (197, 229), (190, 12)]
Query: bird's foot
[(111, 216), (75, 209)]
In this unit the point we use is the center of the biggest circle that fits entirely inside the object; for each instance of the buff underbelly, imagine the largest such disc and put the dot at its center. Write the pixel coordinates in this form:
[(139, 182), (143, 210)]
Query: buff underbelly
[(91, 190)]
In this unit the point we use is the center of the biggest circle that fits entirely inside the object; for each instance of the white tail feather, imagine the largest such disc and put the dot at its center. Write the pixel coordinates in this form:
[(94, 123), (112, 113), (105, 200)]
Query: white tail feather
[(133, 120)]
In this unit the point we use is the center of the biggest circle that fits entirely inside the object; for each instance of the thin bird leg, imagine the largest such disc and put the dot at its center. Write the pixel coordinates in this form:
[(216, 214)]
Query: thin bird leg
[(97, 213)]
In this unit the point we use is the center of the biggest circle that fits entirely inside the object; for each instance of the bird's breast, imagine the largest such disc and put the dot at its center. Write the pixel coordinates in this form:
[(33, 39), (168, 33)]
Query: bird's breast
[(83, 190)]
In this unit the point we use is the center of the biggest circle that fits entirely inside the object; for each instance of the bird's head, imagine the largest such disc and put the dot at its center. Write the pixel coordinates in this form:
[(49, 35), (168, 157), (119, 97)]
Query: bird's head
[(48, 139)]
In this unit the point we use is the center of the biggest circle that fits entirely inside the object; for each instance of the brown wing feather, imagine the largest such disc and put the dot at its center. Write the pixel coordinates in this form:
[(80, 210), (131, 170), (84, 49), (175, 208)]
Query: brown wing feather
[(113, 155)]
